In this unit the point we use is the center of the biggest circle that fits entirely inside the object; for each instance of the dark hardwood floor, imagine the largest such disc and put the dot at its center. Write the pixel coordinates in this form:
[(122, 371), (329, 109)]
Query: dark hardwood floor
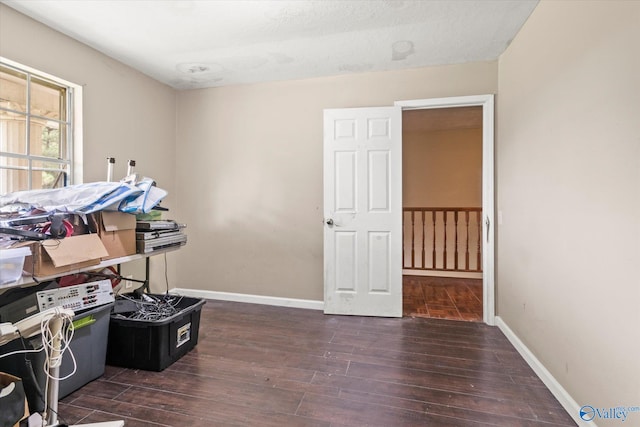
[(259, 365), (442, 297)]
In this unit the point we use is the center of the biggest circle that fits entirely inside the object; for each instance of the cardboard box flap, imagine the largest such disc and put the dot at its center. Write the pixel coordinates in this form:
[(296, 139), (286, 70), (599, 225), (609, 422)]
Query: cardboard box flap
[(74, 250), (23, 244), (115, 221)]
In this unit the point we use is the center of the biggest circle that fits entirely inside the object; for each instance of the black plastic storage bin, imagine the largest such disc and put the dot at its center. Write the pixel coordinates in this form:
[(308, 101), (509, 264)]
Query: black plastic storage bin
[(153, 345)]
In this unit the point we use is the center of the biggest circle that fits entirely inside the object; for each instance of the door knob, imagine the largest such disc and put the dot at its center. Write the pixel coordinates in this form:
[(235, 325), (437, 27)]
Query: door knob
[(329, 221)]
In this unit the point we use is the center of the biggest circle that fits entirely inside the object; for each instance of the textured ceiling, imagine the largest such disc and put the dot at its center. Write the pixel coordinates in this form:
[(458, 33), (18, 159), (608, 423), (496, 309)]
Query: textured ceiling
[(209, 43)]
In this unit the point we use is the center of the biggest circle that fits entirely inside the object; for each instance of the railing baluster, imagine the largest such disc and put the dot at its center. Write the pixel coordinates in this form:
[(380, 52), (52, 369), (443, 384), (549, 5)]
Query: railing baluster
[(479, 226), (413, 250), (455, 252), (466, 246), (444, 249), (423, 252), (433, 245), (442, 235)]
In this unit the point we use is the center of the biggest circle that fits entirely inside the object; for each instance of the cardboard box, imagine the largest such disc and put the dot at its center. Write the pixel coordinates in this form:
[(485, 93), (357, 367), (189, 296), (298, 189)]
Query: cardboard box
[(117, 230), (53, 257)]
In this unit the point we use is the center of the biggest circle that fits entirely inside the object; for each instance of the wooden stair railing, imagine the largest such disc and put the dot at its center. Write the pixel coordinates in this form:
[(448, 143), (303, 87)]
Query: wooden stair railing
[(442, 239)]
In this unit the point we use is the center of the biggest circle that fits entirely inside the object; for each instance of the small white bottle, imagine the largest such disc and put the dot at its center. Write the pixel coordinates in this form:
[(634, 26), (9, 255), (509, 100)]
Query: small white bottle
[(130, 165), (110, 162)]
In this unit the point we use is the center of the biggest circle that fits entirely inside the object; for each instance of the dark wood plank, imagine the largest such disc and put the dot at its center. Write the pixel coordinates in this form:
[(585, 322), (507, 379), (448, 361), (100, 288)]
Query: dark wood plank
[(466, 414), (425, 395), (274, 366), (353, 413)]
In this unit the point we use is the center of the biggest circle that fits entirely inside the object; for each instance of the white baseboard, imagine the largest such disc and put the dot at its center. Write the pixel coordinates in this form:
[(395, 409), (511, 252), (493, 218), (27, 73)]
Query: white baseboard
[(252, 299), (565, 399)]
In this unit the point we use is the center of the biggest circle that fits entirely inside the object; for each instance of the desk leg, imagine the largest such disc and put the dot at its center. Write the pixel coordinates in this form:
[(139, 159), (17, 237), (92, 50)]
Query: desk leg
[(147, 288)]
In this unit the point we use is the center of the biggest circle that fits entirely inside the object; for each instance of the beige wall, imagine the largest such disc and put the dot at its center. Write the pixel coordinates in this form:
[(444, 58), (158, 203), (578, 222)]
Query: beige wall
[(568, 187), (250, 159), (442, 168), (127, 115)]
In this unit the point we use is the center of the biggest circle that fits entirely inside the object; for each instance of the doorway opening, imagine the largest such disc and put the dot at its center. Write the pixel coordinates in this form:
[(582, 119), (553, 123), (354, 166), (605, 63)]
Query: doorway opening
[(363, 207), (444, 196)]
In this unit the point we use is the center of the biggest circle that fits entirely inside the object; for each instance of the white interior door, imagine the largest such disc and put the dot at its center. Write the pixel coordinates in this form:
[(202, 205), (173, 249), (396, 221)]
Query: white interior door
[(363, 211)]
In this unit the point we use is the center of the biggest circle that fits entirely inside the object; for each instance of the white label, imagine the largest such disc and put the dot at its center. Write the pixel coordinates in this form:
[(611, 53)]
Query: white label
[(184, 334)]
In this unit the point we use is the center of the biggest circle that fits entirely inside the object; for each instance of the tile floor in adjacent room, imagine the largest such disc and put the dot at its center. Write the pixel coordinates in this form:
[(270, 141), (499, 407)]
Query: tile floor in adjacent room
[(442, 297)]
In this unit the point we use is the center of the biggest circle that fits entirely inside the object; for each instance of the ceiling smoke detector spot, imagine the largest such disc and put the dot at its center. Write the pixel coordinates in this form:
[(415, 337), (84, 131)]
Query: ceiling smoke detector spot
[(401, 50), (196, 68)]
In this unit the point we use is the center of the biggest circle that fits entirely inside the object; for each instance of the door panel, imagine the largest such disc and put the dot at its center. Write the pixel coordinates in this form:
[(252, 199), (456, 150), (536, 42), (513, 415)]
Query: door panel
[(363, 211), (345, 261), (345, 181), (379, 181), (379, 260)]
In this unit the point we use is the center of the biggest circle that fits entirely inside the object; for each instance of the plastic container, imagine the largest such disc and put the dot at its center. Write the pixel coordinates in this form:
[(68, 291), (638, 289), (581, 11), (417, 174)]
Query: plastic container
[(89, 347), (11, 264), (154, 345)]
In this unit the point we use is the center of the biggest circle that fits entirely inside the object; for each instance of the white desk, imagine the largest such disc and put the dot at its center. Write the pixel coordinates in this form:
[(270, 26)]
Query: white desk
[(26, 281)]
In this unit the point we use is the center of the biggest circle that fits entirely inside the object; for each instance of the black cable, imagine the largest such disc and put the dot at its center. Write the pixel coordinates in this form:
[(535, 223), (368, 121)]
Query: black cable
[(34, 380), (34, 384), (151, 308)]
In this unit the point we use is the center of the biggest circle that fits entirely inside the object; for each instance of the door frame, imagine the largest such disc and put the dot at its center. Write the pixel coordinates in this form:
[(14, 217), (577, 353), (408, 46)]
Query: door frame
[(488, 198)]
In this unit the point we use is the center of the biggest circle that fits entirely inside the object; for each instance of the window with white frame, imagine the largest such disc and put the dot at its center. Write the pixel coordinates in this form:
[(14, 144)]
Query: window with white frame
[(36, 129)]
